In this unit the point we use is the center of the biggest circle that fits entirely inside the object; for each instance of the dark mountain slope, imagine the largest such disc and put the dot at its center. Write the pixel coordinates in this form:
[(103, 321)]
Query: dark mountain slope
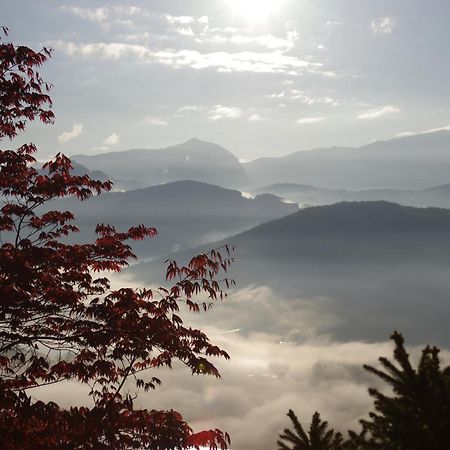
[(371, 267), (186, 213)]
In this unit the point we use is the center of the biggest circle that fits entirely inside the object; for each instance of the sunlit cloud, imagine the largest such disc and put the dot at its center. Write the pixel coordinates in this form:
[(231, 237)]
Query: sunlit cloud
[(268, 41), (276, 95), (151, 120), (256, 118), (254, 11), (104, 14), (92, 14), (67, 136), (309, 120), (246, 61), (180, 20), (185, 31), (219, 112), (415, 133), (383, 25), (308, 99), (112, 139), (188, 110), (378, 112)]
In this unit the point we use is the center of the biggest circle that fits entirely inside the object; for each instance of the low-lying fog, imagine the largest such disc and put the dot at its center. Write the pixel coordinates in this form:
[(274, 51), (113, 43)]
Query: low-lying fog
[(287, 352)]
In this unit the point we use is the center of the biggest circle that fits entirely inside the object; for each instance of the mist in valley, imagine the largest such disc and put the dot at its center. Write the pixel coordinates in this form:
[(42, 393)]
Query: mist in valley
[(307, 141)]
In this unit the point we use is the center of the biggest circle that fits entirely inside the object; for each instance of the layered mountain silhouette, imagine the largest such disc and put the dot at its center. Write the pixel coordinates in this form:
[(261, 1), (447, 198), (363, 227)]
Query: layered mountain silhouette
[(192, 160), (118, 185), (413, 162), (305, 195), (186, 213), (377, 266)]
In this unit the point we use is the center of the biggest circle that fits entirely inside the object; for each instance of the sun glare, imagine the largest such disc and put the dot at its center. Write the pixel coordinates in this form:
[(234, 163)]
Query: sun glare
[(255, 10)]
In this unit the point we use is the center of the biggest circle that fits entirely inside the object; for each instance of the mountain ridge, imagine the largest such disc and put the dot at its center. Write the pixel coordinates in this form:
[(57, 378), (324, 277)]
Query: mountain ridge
[(193, 159), (410, 162)]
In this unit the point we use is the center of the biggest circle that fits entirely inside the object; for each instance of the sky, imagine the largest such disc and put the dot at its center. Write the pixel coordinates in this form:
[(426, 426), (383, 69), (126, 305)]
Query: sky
[(259, 77)]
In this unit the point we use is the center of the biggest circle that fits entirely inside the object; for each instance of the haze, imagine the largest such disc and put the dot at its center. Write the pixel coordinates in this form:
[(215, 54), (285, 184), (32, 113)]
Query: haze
[(201, 114)]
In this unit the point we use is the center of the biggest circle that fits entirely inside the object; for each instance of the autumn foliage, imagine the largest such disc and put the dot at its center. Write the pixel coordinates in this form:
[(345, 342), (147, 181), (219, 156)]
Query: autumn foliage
[(60, 319)]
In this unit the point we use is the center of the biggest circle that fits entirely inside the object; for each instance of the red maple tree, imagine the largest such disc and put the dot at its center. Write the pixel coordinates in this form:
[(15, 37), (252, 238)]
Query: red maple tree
[(59, 317)]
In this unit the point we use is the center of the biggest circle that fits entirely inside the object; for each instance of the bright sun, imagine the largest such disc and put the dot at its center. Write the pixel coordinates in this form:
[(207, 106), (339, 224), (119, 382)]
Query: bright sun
[(255, 10)]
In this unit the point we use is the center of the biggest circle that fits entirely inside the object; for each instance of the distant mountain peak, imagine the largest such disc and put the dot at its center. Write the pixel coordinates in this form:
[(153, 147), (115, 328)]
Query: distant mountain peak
[(195, 141), (199, 143), (194, 160)]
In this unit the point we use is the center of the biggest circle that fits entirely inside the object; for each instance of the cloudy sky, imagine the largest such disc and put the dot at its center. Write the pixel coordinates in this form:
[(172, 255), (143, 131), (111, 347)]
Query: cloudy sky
[(260, 77)]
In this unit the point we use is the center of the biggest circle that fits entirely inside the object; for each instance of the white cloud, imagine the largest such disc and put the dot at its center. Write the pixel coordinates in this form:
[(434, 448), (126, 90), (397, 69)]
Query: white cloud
[(255, 118), (112, 139), (137, 36), (67, 136), (268, 40), (325, 73), (246, 61), (383, 25), (415, 133), (105, 13), (308, 99), (378, 112), (189, 110), (151, 120), (406, 134), (185, 31), (308, 120), (433, 130), (181, 20), (91, 14), (276, 95), (219, 112)]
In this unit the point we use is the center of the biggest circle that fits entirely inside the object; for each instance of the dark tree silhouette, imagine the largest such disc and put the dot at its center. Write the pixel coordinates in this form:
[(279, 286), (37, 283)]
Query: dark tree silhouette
[(415, 417), (59, 317), (319, 436)]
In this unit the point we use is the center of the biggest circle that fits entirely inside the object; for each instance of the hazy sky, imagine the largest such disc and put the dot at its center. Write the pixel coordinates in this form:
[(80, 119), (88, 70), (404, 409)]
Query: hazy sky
[(260, 77)]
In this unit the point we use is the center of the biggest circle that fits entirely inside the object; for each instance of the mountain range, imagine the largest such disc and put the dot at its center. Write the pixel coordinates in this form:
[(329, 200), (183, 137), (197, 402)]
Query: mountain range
[(305, 195), (192, 160), (377, 267), (412, 162), (185, 213), (408, 163)]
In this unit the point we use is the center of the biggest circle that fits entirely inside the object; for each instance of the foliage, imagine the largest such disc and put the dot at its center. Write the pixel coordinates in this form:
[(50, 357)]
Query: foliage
[(59, 317), (319, 437), (416, 417)]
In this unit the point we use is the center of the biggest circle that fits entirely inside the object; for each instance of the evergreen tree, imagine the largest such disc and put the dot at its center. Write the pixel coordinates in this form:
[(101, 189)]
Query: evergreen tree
[(319, 436), (417, 416)]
